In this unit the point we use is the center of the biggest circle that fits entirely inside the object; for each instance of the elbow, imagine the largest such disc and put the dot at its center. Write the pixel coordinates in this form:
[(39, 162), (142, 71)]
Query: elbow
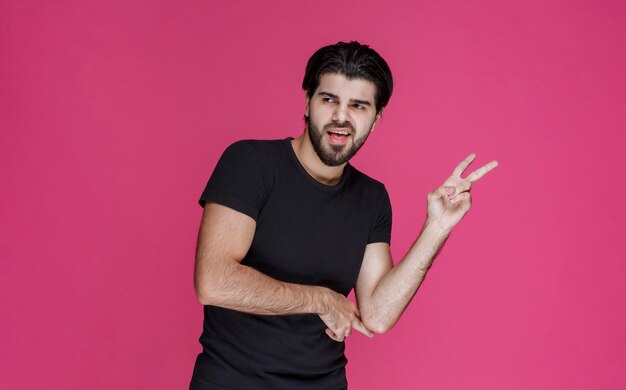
[(204, 292), (378, 326), (205, 280), (203, 296), (209, 282), (203, 299)]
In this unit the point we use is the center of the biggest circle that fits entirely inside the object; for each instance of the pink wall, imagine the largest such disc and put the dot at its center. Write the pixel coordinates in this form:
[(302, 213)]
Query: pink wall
[(112, 117)]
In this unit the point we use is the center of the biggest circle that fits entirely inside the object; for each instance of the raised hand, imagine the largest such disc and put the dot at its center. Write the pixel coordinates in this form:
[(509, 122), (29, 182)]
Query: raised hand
[(449, 203)]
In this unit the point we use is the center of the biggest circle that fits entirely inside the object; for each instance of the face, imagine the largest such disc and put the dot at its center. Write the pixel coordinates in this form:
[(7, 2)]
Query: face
[(342, 112)]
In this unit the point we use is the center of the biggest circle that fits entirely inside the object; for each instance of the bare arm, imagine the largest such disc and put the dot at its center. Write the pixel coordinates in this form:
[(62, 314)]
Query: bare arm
[(384, 291), (220, 280)]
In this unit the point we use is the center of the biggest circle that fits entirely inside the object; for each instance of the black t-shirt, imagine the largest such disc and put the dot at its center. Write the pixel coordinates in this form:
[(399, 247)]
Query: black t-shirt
[(306, 233)]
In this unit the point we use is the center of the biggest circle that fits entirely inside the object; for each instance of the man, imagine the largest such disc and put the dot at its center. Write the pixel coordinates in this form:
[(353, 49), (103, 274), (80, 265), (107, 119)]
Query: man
[(290, 227)]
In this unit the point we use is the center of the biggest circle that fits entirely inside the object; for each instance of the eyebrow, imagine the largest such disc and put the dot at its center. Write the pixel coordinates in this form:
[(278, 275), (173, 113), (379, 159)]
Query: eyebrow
[(357, 101)]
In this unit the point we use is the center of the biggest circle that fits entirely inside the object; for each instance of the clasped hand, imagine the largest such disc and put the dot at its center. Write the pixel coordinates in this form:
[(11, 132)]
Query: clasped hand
[(341, 316)]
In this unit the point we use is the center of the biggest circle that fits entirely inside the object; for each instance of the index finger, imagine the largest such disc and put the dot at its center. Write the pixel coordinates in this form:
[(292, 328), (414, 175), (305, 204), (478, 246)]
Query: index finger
[(482, 171), (463, 165), (358, 325), (332, 335)]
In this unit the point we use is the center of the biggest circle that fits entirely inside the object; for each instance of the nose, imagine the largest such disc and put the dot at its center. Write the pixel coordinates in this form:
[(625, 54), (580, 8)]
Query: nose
[(340, 114)]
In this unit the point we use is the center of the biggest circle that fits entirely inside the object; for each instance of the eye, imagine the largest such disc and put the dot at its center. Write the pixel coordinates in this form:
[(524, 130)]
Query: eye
[(358, 106), (329, 100)]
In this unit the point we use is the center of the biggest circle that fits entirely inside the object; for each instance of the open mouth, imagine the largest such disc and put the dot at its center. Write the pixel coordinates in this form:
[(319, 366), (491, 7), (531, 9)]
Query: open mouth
[(338, 136)]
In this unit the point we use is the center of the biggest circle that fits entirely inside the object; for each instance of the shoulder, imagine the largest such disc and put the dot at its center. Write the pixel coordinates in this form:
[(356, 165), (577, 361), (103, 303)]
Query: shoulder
[(256, 146), (259, 158), (253, 151), (243, 177), (368, 183), (247, 156), (377, 205)]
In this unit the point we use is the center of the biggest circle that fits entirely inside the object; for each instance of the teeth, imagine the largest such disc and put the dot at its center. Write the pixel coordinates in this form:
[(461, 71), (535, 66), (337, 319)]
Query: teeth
[(340, 132)]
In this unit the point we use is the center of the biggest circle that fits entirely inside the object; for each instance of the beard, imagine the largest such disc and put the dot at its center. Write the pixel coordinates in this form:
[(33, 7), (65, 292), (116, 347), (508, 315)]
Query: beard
[(334, 155)]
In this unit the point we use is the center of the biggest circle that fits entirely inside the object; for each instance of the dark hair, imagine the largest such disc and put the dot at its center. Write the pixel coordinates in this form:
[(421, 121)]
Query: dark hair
[(355, 61)]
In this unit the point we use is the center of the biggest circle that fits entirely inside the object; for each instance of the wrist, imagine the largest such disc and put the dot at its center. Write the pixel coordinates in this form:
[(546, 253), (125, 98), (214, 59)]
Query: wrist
[(434, 228), (430, 241), (319, 300)]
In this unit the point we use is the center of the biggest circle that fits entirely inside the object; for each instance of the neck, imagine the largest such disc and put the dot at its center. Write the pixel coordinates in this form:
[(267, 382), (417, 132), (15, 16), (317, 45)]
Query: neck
[(312, 163)]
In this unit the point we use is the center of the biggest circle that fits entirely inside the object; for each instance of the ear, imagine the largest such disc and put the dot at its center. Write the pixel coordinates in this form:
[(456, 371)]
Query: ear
[(307, 102), (377, 118)]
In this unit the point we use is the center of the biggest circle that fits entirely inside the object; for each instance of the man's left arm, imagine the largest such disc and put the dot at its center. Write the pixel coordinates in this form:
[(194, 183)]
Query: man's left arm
[(383, 291)]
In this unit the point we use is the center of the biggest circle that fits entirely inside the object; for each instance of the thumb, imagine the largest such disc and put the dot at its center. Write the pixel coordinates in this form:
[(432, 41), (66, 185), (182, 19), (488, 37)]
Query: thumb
[(358, 325), (441, 192)]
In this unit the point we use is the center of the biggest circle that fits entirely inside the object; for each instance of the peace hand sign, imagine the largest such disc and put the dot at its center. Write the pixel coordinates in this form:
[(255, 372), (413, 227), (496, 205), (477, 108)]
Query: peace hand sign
[(449, 203)]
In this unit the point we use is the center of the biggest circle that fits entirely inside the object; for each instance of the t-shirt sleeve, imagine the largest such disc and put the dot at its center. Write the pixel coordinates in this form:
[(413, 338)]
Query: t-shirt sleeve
[(381, 232), (238, 181)]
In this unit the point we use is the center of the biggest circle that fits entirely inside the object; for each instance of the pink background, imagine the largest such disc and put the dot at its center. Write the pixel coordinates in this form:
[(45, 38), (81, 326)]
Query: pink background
[(113, 115)]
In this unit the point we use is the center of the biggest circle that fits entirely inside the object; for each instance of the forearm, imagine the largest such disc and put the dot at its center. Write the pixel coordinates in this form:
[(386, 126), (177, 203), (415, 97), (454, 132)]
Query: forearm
[(242, 288), (398, 286)]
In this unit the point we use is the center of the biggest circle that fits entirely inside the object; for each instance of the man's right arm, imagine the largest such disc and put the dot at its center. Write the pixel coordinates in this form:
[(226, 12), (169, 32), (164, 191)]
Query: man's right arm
[(221, 280)]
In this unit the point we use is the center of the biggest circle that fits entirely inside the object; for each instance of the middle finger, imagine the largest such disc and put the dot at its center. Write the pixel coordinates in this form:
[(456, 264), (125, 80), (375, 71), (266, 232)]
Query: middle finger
[(482, 171)]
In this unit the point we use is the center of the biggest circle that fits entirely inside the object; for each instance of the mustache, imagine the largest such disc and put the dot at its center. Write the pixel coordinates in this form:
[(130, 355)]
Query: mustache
[(339, 125)]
